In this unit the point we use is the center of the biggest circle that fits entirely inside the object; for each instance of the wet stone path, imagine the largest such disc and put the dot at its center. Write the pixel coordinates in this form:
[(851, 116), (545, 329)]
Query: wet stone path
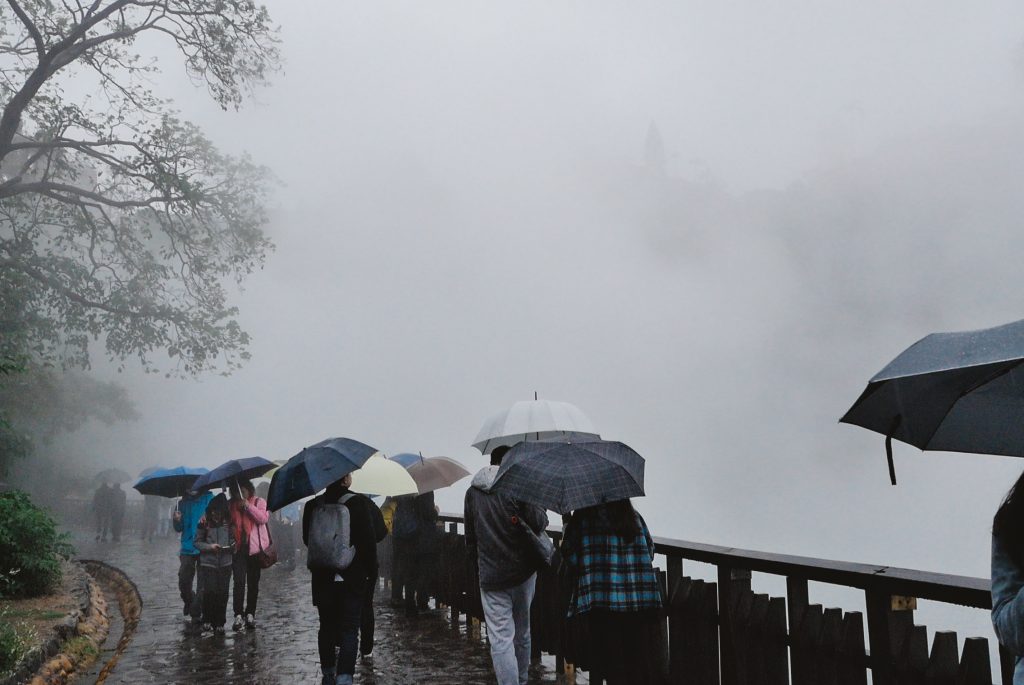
[(282, 648)]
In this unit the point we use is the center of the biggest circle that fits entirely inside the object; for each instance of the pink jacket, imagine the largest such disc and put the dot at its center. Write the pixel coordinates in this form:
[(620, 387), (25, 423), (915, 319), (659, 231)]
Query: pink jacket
[(252, 519)]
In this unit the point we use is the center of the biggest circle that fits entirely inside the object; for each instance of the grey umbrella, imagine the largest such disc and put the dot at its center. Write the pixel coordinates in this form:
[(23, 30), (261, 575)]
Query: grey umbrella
[(565, 476), (950, 392)]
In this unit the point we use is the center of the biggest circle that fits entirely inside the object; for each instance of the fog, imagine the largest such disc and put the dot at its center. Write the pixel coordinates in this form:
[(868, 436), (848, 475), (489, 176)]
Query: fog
[(706, 224)]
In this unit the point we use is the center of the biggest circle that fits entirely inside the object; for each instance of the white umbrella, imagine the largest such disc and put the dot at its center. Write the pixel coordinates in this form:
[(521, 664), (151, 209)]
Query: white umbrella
[(381, 476), (534, 420)]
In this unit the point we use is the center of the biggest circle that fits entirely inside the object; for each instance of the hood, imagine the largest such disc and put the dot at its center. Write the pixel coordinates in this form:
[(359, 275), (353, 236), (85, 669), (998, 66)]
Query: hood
[(484, 478)]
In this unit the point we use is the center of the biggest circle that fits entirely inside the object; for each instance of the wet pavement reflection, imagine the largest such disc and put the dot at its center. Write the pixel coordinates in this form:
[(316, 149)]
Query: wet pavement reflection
[(282, 649)]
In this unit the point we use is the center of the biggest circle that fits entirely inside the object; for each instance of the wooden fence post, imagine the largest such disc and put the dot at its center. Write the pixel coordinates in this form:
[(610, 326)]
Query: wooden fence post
[(731, 582)]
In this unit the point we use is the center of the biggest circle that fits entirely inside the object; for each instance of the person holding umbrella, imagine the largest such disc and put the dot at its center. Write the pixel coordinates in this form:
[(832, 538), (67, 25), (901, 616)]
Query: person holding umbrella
[(101, 510), (185, 520), (249, 523), (338, 532), (608, 552), (505, 569)]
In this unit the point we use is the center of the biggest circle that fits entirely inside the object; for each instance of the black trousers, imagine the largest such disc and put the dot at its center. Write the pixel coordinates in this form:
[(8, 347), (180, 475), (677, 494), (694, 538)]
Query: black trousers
[(340, 614), (215, 594), (366, 620), (192, 600), (246, 570)]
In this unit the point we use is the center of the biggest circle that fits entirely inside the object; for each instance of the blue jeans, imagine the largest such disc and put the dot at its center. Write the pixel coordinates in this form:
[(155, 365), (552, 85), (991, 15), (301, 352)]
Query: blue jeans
[(338, 638), (507, 614)]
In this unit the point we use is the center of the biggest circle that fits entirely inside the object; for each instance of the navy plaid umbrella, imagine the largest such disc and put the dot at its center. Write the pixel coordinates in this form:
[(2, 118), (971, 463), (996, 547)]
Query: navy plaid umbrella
[(565, 476), (314, 468)]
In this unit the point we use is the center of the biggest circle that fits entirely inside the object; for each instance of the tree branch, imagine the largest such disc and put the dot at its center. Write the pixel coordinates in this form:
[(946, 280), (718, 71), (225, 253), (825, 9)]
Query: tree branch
[(33, 30)]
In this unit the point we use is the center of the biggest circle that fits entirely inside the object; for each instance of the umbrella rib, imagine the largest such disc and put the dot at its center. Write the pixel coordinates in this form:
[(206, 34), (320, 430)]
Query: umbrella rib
[(963, 393)]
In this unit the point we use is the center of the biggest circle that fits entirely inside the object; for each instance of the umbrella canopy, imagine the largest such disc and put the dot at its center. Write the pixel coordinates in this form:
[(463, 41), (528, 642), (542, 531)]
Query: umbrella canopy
[(563, 476), (406, 459), (952, 392), (382, 476), (435, 473), (112, 476), (169, 482), (534, 420), (314, 468), (235, 469), (151, 469)]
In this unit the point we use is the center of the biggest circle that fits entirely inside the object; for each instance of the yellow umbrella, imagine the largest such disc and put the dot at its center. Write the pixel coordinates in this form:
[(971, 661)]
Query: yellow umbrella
[(381, 476)]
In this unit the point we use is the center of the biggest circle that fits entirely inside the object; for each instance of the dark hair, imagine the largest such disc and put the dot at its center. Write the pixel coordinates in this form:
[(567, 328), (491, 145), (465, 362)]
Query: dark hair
[(497, 454), (217, 508), (1008, 523), (246, 484), (617, 518)]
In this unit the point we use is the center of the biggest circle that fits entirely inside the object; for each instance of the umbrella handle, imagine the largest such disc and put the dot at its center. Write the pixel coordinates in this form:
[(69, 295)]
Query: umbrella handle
[(888, 447)]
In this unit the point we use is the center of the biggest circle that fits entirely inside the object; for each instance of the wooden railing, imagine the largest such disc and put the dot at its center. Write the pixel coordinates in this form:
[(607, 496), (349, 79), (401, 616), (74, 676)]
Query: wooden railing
[(724, 632)]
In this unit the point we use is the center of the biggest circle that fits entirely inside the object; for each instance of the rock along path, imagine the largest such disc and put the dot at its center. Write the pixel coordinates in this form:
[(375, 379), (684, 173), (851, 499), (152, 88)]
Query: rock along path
[(282, 649)]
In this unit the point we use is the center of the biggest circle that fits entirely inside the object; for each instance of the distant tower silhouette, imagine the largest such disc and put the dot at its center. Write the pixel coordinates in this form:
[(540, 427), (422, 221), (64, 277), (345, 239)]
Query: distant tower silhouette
[(654, 151)]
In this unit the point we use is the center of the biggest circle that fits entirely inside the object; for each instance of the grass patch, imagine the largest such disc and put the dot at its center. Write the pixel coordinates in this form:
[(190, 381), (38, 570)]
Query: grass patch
[(35, 614), (79, 648), (16, 638)]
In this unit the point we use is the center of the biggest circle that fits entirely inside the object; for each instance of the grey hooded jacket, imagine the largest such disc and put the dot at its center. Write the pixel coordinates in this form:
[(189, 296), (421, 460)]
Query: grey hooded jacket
[(492, 536)]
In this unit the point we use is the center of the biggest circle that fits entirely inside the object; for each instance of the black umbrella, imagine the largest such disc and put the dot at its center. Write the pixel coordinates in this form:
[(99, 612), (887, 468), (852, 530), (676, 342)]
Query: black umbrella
[(234, 470), (314, 468), (950, 392), (565, 476)]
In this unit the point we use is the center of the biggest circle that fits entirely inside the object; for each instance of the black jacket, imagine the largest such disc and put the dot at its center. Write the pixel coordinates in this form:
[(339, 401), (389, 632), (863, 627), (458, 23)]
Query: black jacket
[(364, 539)]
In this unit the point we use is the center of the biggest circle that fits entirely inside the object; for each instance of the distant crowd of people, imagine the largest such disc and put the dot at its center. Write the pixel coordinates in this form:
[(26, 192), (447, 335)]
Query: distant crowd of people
[(108, 506)]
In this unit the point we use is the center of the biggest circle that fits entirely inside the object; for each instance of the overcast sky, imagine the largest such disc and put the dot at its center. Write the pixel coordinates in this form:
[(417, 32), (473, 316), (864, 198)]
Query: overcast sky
[(468, 215)]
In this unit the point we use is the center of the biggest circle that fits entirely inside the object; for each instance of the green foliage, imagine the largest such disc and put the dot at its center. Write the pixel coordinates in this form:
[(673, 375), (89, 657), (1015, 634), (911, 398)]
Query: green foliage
[(117, 218), (15, 640), (31, 548)]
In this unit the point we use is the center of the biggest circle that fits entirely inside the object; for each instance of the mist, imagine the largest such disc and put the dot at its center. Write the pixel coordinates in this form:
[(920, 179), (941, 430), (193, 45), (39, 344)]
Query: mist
[(705, 224)]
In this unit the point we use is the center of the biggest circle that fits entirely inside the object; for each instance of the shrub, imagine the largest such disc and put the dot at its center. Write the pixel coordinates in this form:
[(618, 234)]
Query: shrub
[(14, 642), (31, 548)]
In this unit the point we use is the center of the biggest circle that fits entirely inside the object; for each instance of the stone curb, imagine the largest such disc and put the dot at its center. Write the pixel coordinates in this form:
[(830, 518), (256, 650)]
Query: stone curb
[(129, 602), (89, 618)]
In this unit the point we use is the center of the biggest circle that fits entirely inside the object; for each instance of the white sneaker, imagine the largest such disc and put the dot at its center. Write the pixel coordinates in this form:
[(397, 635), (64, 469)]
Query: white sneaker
[(237, 625), (250, 621)]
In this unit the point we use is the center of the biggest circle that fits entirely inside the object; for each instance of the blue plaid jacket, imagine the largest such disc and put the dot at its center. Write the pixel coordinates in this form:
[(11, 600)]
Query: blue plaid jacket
[(612, 573)]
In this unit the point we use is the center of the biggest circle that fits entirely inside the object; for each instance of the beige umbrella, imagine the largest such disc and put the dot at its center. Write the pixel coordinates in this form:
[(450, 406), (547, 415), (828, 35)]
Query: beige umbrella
[(434, 473), (381, 476)]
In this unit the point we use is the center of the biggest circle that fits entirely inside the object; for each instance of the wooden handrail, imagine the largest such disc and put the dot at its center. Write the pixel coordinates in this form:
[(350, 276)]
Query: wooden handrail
[(939, 587)]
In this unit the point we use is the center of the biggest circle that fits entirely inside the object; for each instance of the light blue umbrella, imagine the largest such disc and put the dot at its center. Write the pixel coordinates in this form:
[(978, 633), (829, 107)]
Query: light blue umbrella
[(406, 459), (169, 482)]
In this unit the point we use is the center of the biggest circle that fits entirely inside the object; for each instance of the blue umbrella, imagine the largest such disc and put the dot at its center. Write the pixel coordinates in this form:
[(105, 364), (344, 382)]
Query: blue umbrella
[(151, 469), (314, 468), (169, 482), (235, 469), (406, 459)]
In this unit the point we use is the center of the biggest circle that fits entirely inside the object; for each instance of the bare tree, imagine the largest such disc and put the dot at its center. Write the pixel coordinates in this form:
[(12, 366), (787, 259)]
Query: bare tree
[(119, 220)]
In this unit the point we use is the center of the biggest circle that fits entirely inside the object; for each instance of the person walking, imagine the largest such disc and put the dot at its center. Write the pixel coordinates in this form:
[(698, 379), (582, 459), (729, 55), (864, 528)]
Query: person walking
[(505, 568), (249, 522), (367, 620), (416, 541), (338, 592), (101, 510), (150, 516), (185, 520), (1008, 576), (118, 504), (215, 540), (608, 552)]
